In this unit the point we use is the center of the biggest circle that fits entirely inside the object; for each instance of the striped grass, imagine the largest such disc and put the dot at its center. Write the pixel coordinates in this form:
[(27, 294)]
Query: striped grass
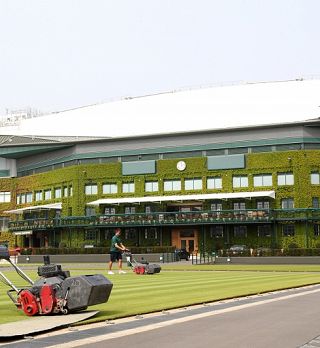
[(175, 287)]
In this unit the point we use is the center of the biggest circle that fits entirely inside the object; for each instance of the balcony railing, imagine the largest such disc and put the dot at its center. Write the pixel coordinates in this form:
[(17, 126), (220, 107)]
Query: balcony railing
[(145, 219), (296, 214), (170, 218)]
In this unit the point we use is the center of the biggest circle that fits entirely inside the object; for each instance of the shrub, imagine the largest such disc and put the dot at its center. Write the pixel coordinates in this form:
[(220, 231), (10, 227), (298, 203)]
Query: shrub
[(96, 250)]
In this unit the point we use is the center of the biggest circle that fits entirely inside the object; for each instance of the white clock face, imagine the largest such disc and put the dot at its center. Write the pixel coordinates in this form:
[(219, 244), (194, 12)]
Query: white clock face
[(181, 165)]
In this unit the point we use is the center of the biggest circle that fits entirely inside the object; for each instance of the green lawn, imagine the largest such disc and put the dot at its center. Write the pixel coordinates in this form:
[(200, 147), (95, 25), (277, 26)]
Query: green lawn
[(177, 285)]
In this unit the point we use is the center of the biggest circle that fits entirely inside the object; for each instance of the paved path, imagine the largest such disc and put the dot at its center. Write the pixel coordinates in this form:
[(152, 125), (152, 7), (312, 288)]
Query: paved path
[(289, 318)]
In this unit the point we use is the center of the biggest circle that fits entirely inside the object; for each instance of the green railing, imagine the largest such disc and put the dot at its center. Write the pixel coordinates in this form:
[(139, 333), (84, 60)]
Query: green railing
[(296, 214), (246, 216), (145, 219)]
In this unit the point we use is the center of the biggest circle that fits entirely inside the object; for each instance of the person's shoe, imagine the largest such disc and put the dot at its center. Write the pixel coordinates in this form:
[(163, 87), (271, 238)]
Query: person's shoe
[(122, 272), (110, 272)]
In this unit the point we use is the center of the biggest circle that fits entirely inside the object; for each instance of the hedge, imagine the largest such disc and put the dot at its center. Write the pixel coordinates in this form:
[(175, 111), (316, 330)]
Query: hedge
[(95, 250)]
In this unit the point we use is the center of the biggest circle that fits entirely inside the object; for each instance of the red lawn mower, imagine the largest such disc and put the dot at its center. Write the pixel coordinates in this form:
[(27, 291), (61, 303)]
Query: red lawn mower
[(56, 292), (142, 267)]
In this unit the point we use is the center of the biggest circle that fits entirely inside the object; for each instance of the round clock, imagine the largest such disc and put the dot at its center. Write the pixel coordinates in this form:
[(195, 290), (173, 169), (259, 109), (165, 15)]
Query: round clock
[(181, 165)]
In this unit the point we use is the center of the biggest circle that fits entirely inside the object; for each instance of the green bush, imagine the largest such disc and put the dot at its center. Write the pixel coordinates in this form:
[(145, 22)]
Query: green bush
[(26, 251), (95, 250)]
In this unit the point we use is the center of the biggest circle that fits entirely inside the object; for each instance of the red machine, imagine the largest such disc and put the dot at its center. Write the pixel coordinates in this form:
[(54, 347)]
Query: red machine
[(56, 291), (142, 267)]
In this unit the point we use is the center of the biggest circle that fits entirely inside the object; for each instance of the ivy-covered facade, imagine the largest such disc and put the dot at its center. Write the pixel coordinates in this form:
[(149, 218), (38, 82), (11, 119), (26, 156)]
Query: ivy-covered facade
[(208, 190)]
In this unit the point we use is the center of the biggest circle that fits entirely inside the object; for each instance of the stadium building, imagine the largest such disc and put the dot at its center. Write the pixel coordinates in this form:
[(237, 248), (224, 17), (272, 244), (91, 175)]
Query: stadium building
[(203, 189)]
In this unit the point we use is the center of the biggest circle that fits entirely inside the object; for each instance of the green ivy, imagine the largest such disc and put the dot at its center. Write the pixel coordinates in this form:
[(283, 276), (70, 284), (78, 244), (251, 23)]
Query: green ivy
[(301, 163)]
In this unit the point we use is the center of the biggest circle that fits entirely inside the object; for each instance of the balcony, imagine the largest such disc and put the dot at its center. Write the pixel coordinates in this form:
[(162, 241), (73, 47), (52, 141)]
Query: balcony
[(248, 216), (296, 214), (147, 219), (31, 224)]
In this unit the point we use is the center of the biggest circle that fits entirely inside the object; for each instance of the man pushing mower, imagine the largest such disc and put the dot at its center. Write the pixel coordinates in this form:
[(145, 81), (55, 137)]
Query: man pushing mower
[(116, 250)]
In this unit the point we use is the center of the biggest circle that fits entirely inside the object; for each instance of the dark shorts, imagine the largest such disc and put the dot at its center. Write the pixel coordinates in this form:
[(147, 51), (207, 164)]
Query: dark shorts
[(115, 256)]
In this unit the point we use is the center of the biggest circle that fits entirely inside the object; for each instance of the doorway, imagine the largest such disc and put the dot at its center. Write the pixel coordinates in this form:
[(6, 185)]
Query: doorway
[(185, 238), (187, 244)]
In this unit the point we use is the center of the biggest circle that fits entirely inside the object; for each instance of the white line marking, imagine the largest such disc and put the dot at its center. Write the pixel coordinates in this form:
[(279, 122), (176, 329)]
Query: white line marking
[(119, 334)]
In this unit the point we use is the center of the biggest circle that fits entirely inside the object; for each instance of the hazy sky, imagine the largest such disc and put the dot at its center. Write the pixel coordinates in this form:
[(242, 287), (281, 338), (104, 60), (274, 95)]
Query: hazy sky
[(59, 54)]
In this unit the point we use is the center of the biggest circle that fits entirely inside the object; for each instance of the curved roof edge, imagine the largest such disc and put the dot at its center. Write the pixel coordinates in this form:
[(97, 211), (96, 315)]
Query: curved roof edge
[(187, 111)]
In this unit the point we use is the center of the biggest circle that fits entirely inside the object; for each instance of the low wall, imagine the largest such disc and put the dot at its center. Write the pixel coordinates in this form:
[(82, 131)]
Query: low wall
[(91, 258), (270, 260), (169, 257)]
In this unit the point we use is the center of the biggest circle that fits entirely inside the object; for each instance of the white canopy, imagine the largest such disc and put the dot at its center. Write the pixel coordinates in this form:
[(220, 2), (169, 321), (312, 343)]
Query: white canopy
[(23, 233), (198, 197), (56, 206)]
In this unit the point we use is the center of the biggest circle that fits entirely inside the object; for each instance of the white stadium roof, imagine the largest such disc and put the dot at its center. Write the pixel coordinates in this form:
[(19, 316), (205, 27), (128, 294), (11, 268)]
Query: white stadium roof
[(187, 110)]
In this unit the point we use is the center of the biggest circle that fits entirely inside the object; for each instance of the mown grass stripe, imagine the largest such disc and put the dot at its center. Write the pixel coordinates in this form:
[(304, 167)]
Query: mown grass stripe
[(133, 294)]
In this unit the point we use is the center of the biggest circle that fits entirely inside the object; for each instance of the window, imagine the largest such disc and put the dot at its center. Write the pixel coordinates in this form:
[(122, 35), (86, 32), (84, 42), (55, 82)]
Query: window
[(262, 180), (218, 152), (57, 193), (150, 209), (214, 183), (240, 181), (263, 205), (24, 198), (186, 234), (4, 222), (67, 191), (130, 234), (216, 231), (183, 154), (266, 148), (239, 205), (172, 185), (108, 234), (287, 203), (110, 211), (29, 197), (216, 206), (47, 194), (38, 196), (238, 150), (129, 210), (150, 233), (288, 230), (109, 189), (91, 189), (90, 211), (5, 197), (90, 234), (288, 147), (151, 186), (315, 178), (193, 184), (240, 231), (128, 187), (264, 231), (285, 179), (315, 202), (316, 230)]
